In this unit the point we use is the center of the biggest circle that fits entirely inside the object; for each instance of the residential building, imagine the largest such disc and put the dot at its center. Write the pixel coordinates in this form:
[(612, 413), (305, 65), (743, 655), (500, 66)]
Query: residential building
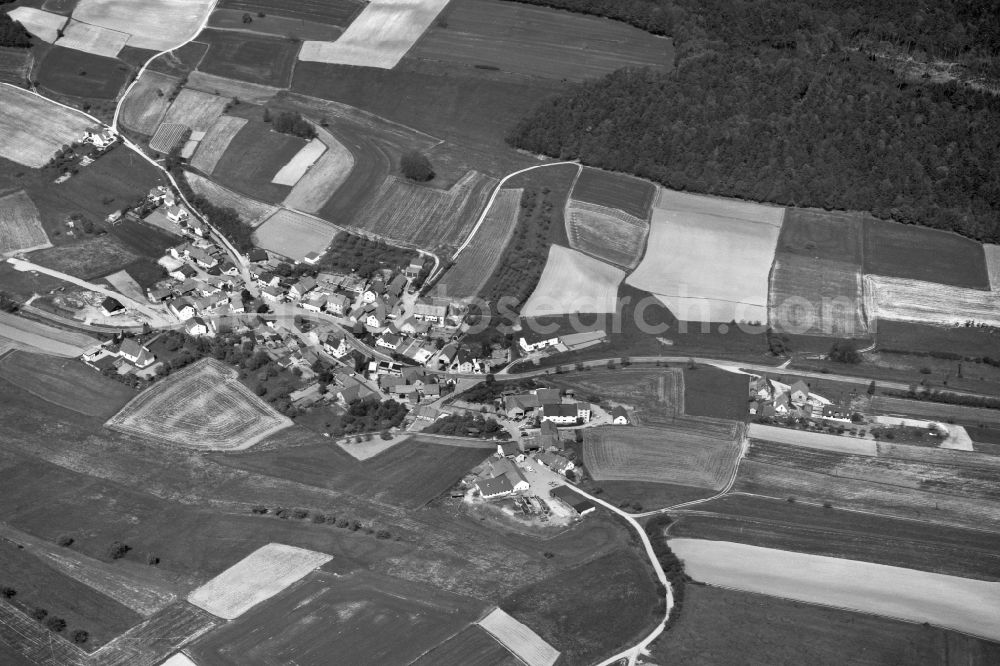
[(619, 416), (583, 411), (395, 288), (182, 308), (202, 258), (555, 462), (256, 255), (302, 287), (413, 270), (198, 326), (389, 341), (273, 294), (799, 392), (337, 304), (494, 487), (531, 340), (374, 291), (312, 258), (136, 354), (110, 307), (336, 345), (177, 214), (315, 303), (431, 312), (561, 414)]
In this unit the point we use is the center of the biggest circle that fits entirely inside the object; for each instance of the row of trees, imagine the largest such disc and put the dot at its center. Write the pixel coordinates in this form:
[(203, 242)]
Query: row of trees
[(52, 622), (290, 122), (343, 522)]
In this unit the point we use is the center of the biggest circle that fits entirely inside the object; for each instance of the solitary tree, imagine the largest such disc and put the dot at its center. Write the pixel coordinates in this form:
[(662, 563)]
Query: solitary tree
[(117, 550), (416, 166), (845, 351)]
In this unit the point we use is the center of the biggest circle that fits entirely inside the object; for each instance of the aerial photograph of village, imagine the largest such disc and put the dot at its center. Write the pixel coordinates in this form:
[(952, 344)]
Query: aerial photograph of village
[(499, 332)]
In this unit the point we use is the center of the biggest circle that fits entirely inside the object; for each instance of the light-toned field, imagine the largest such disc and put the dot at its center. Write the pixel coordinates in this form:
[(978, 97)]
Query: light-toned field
[(32, 129), (254, 93), (810, 296), (213, 146), (44, 25), (204, 407), (709, 259), (167, 137), (814, 440), (294, 235), (251, 211), (148, 100), (153, 24), (519, 639), (902, 299), (93, 39), (574, 282), (426, 216), (198, 110), (325, 177), (969, 606), (701, 455), (20, 227), (47, 339), (123, 283), (379, 37), (480, 258), (67, 383), (299, 164), (606, 233), (993, 264), (257, 577)]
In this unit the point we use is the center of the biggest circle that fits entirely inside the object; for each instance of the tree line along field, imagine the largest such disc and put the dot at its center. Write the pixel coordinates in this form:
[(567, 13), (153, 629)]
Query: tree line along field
[(247, 57), (333, 12), (537, 42)]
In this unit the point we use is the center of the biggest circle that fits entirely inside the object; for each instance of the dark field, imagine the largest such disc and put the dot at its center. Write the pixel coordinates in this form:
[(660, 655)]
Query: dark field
[(182, 60), (615, 190), (87, 258), (143, 238), (80, 74), (818, 234), (65, 382), (775, 523), (336, 12), (253, 58), (254, 155), (130, 55), (936, 411), (271, 24), (720, 626), (712, 392), (589, 612), (967, 341), (645, 496), (14, 65), (470, 647), (921, 253)]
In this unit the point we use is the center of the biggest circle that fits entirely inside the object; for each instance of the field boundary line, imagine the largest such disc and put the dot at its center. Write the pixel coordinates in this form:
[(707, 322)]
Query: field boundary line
[(567, 222)]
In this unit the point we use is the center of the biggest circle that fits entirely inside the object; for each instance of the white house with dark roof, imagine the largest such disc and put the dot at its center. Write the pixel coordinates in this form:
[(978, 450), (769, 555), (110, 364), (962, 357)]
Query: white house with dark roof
[(561, 414), (337, 304), (314, 303), (496, 487), (431, 312), (136, 354), (302, 287)]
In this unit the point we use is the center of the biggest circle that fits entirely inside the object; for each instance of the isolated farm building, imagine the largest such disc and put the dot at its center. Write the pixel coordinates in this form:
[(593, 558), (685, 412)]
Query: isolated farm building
[(578, 503), (197, 326), (273, 294), (177, 214), (431, 312), (583, 339), (508, 450), (389, 341), (555, 462), (583, 411), (110, 306), (619, 416), (496, 487), (799, 392), (337, 304), (504, 468), (374, 291), (548, 396), (315, 303), (158, 294), (560, 414), (531, 340), (306, 396), (413, 270), (302, 287), (114, 217), (136, 354)]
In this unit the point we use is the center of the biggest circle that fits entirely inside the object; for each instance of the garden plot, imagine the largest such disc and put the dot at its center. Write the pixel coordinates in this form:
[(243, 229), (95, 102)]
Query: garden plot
[(709, 259), (254, 93), (993, 265), (299, 164), (519, 639), (198, 110), (32, 128), (686, 455), (43, 25), (213, 146), (319, 183), (814, 440), (93, 39), (379, 37), (294, 235), (20, 226), (147, 102), (251, 211), (480, 258), (609, 234), (257, 577), (167, 137), (574, 282), (969, 606), (158, 25), (204, 407), (810, 296), (902, 299)]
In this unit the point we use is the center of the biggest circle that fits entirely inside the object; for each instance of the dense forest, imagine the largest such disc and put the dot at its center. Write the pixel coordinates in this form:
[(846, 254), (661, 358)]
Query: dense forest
[(13, 33), (776, 101)]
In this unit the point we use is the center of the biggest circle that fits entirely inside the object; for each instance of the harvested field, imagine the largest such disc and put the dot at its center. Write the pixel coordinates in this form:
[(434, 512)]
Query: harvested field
[(197, 110), (935, 411), (701, 455), (519, 639), (251, 211), (203, 407), (254, 93), (424, 215), (147, 102), (910, 252), (482, 256), (335, 12), (294, 235), (322, 181), (158, 25), (654, 396), (993, 265), (167, 137), (539, 42), (43, 25), (254, 155), (609, 234), (180, 61), (46, 339), (811, 296), (299, 164), (903, 299), (88, 258), (825, 235), (690, 232), (917, 596), (379, 37), (15, 65), (20, 227), (65, 382), (248, 57), (814, 440), (470, 647), (574, 282), (257, 577), (213, 146), (93, 39), (366, 619), (276, 26), (32, 129)]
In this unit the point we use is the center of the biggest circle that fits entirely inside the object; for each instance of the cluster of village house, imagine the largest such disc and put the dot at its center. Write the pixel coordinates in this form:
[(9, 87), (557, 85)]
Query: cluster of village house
[(550, 405), (770, 400)]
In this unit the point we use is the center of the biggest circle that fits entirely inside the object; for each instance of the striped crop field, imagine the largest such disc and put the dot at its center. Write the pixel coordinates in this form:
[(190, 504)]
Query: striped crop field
[(196, 109), (20, 226), (609, 234), (812, 296), (147, 102), (168, 136), (904, 299), (213, 146)]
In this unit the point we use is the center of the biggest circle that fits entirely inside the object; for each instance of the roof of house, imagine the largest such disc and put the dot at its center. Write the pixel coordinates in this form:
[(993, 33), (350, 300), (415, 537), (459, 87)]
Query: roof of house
[(397, 285), (800, 386), (339, 299), (531, 336), (377, 287), (111, 304), (130, 347), (559, 410), (257, 254), (575, 500), (548, 396), (617, 411), (317, 300), (390, 339), (305, 284), (524, 401), (583, 406), (495, 486), (509, 448), (425, 309), (553, 460)]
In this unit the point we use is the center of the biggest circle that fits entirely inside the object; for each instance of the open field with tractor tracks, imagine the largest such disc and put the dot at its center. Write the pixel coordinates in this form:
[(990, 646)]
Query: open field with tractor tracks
[(20, 227), (213, 146), (32, 129), (251, 211), (147, 102), (609, 234), (158, 25), (574, 282)]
